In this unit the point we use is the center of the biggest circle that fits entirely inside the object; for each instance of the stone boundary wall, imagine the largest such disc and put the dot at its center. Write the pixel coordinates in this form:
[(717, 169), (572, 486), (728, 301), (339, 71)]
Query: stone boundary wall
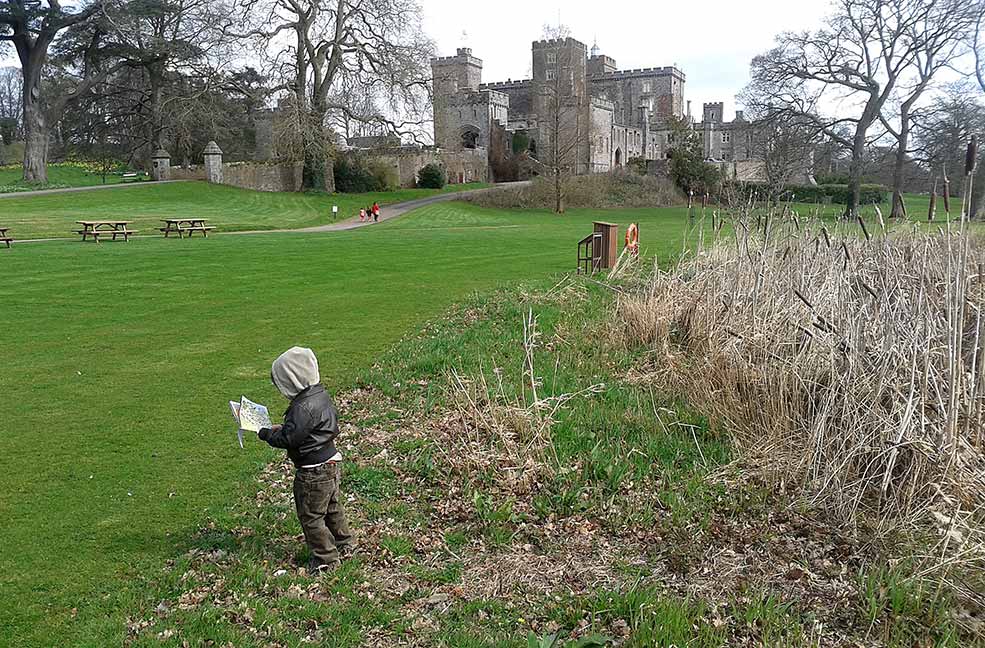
[(258, 176), (469, 165), (194, 172), (263, 177)]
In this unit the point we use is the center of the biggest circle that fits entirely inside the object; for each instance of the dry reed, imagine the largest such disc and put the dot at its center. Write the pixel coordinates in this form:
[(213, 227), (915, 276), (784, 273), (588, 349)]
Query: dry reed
[(848, 368)]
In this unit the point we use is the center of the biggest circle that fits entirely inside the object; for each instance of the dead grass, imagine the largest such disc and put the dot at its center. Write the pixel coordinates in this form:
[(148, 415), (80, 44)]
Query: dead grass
[(848, 368)]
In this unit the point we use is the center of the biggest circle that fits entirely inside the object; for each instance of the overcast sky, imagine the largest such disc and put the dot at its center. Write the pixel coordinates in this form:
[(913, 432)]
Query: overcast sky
[(711, 41)]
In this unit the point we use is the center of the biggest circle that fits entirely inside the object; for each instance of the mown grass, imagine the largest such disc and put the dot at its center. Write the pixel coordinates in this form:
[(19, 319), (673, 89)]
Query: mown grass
[(393, 487), (59, 176), (412, 377), (227, 208), (120, 358)]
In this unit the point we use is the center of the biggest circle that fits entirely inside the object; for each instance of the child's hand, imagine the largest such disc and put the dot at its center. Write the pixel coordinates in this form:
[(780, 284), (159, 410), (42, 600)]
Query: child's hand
[(276, 427)]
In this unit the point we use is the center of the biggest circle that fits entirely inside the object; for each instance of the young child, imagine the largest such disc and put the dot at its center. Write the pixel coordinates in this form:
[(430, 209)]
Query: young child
[(308, 434), (362, 215), (376, 212)]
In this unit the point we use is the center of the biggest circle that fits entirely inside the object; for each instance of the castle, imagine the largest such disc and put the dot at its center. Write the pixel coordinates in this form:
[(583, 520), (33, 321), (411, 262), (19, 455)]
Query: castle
[(616, 115)]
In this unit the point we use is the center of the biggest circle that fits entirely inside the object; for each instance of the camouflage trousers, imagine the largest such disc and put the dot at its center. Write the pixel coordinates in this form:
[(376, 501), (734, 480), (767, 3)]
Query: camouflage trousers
[(316, 497)]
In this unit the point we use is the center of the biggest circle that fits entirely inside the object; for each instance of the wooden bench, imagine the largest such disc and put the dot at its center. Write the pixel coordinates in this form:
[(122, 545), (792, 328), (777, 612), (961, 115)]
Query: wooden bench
[(4, 238), (97, 229), (133, 176), (183, 226)]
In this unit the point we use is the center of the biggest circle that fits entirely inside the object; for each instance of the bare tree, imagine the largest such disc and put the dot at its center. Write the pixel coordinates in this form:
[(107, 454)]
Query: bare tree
[(166, 42), (855, 62), (936, 37), (32, 26), (785, 146), (942, 132), (560, 88), (317, 46), (11, 104), (978, 44)]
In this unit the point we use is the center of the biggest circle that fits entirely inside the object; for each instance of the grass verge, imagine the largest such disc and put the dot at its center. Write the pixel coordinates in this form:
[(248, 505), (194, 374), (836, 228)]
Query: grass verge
[(513, 485)]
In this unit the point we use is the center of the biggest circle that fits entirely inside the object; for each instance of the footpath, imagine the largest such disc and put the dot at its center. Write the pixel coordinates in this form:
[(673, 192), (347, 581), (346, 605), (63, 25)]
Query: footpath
[(388, 212)]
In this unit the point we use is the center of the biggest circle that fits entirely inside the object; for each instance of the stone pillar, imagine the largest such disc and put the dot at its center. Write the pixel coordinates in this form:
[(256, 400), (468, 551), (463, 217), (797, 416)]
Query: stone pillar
[(161, 165), (213, 163)]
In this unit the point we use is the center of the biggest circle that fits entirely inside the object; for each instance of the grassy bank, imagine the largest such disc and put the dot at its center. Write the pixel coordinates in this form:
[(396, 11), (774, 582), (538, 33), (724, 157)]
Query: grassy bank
[(512, 484), (60, 176), (120, 358), (228, 208)]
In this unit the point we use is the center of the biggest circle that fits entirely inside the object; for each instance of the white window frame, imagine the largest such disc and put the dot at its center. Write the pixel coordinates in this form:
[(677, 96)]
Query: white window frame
[(551, 74), (552, 58)]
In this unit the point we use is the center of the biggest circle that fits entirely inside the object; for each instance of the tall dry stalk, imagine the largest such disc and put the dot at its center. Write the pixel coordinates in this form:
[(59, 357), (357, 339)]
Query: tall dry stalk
[(849, 368)]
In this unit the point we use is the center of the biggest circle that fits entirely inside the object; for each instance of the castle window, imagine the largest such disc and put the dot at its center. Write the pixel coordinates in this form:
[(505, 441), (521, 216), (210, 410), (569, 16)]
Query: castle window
[(646, 87), (726, 138), (551, 58), (551, 74)]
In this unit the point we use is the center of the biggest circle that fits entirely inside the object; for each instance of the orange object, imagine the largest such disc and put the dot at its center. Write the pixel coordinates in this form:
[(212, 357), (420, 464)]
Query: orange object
[(633, 239)]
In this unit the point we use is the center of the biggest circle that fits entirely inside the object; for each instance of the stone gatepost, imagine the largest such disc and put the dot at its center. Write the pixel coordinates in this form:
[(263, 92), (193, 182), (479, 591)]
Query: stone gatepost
[(213, 163), (161, 165)]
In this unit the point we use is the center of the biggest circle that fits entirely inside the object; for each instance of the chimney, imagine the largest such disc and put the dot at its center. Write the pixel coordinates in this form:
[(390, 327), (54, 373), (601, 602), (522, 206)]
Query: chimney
[(689, 109)]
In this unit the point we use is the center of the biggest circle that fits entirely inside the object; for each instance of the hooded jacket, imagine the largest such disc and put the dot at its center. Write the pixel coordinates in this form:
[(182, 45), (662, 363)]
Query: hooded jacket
[(311, 420)]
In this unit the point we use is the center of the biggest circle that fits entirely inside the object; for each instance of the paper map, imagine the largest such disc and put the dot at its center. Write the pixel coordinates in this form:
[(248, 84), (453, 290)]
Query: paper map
[(252, 417)]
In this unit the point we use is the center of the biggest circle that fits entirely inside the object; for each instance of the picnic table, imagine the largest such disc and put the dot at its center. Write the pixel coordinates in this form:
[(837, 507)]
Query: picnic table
[(185, 225), (3, 236), (96, 229)]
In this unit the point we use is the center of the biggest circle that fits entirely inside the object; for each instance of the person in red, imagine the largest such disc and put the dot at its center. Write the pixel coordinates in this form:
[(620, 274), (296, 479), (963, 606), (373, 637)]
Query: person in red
[(376, 212)]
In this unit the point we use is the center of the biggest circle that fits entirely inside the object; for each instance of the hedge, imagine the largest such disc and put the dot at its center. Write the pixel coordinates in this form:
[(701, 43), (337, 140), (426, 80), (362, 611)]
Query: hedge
[(836, 193)]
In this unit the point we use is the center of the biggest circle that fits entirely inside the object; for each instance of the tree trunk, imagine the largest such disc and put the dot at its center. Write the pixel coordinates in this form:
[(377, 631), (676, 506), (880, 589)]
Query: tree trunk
[(35, 143), (558, 197), (155, 136), (899, 209), (855, 176)]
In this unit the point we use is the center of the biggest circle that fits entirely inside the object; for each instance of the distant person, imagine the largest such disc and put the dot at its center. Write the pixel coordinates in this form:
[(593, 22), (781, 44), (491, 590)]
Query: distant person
[(376, 212), (362, 215), (311, 425)]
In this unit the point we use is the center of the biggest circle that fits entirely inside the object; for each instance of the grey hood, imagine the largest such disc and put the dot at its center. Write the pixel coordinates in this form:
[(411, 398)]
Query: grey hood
[(294, 371)]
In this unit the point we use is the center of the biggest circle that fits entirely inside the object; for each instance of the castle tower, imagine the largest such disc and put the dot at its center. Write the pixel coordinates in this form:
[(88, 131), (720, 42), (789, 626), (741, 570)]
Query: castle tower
[(452, 75), (713, 113), (560, 75)]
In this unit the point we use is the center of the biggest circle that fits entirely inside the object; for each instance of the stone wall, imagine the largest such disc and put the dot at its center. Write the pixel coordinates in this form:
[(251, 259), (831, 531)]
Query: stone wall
[(193, 172), (263, 177), (258, 176), (470, 165)]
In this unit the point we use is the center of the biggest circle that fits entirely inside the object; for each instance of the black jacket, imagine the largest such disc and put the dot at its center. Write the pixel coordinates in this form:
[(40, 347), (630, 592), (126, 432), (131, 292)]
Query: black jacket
[(311, 424)]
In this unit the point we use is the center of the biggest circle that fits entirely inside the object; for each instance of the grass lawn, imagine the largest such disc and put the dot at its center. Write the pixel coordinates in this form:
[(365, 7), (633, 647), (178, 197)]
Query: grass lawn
[(120, 359), (228, 208), (59, 176)]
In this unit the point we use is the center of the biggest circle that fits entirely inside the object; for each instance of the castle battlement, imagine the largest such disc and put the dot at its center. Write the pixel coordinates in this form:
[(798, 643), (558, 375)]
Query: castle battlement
[(658, 71), (519, 83), (557, 42)]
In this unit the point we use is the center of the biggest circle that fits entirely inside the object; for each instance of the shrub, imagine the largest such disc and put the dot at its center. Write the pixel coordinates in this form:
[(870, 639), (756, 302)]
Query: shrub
[(521, 141), (599, 191), (385, 175), (431, 176), (352, 176), (836, 193)]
